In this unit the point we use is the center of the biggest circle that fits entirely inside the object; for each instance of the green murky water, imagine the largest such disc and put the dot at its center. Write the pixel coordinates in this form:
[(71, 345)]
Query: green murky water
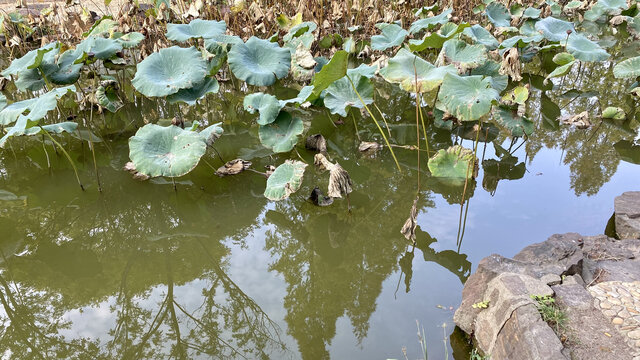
[(215, 270)]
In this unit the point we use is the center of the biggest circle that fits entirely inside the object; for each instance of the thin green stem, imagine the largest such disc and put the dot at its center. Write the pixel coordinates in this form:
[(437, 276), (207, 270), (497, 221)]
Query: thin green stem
[(66, 154), (376, 122)]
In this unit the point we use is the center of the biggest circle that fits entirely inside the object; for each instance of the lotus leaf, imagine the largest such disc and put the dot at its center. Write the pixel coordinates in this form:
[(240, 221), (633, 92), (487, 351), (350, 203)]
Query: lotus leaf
[(331, 72), (363, 70), (285, 180), (169, 70), (196, 29), (392, 35), (467, 98), (211, 133), (282, 134), (603, 7), (430, 22), (519, 41), (628, 151), (190, 96), (105, 26), (555, 29), (629, 68), (584, 49), (130, 40), (259, 62), (517, 95), (517, 125), (3, 101), (59, 128), (165, 151), (463, 55), (491, 70), (437, 39), (101, 48), (481, 36), (341, 94), (405, 66), (299, 30), (28, 60), (455, 162), (424, 11), (561, 70), (498, 14), (107, 96), (531, 13), (267, 105), (614, 113), (36, 108)]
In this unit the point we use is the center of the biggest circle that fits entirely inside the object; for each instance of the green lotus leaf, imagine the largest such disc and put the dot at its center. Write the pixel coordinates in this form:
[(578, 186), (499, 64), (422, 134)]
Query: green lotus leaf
[(517, 125), (629, 68), (463, 55), (341, 95), (403, 67), (101, 48), (561, 70), (169, 70), (363, 70), (531, 13), (481, 36), (191, 95), (27, 61), (59, 128), (563, 58), (517, 95), (30, 80), (105, 26), (467, 98), (3, 101), (302, 97), (349, 45), (267, 105), (430, 22), (221, 41), (392, 35), (331, 72), (424, 11), (62, 71), (196, 29), (130, 40), (165, 151), (519, 41), (33, 110), (259, 62), (437, 39), (554, 29), (299, 30), (211, 133), (107, 96), (455, 162), (584, 49), (285, 180), (498, 14), (491, 70), (614, 113), (282, 134), (528, 28), (603, 7), (573, 4), (65, 71)]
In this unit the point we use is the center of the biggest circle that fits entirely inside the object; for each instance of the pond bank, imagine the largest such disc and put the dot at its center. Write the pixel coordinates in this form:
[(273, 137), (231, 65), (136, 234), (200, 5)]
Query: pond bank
[(587, 288)]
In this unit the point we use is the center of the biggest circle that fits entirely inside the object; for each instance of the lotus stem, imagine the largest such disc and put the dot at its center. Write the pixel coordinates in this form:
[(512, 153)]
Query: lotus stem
[(75, 170), (383, 119), (375, 121), (355, 125)]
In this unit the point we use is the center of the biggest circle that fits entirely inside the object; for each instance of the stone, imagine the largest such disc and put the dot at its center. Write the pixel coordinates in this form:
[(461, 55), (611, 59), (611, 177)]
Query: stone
[(551, 279), (627, 215), (605, 305), (526, 336), (573, 279), (635, 334), (617, 321)]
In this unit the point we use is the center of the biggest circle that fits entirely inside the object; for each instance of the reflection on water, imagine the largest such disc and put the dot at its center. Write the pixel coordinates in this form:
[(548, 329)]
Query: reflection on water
[(143, 271)]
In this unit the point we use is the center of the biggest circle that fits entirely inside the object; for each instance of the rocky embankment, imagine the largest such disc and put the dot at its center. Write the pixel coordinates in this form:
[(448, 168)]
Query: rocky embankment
[(594, 282)]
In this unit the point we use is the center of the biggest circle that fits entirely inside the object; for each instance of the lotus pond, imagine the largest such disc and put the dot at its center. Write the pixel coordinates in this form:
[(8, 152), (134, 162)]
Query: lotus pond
[(159, 206)]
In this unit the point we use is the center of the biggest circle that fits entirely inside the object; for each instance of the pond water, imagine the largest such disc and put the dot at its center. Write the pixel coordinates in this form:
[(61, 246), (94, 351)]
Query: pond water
[(213, 269)]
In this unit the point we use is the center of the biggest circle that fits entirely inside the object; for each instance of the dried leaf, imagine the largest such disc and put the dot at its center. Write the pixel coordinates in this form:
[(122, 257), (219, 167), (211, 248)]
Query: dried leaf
[(304, 58), (316, 142), (339, 179), (511, 64), (318, 198), (369, 146), (409, 227), (580, 121), (233, 167), (131, 168)]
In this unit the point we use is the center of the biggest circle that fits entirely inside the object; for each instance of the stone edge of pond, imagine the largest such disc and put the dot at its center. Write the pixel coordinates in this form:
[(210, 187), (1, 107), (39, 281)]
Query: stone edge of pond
[(595, 281)]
